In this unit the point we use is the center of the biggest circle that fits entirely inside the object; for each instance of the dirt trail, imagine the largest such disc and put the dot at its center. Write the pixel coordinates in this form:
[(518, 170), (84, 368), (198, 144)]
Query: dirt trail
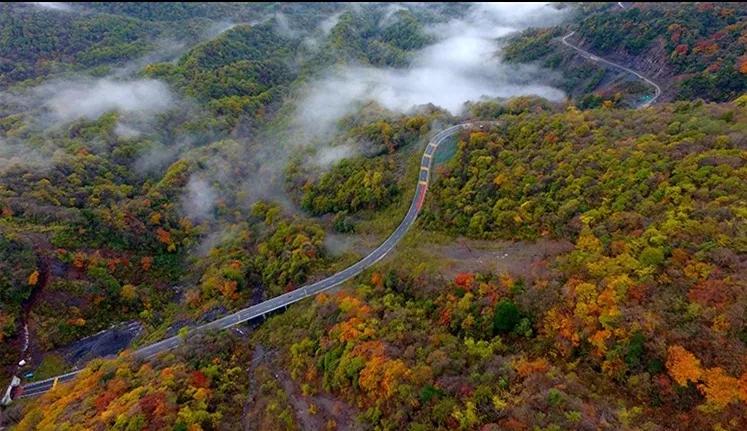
[(43, 264), (327, 407), (22, 342)]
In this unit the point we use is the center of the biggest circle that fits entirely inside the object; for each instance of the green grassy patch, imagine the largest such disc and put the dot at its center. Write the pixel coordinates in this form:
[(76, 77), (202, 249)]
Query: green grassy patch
[(52, 365)]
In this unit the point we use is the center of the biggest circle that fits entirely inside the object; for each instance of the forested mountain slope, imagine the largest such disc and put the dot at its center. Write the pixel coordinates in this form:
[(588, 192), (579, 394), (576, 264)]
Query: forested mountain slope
[(165, 164), (641, 325), (694, 50)]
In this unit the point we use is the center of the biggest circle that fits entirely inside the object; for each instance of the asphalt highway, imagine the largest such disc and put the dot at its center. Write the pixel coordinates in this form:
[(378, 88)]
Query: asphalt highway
[(592, 57), (286, 299)]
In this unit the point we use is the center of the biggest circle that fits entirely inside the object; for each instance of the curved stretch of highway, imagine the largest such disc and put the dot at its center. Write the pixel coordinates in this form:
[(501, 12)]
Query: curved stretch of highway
[(592, 57), (261, 309)]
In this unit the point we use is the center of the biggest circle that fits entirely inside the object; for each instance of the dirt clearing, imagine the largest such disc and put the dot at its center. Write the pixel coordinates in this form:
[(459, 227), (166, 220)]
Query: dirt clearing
[(526, 259)]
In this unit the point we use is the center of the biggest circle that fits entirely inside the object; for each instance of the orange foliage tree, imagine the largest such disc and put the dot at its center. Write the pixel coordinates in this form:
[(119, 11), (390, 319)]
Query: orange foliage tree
[(682, 365)]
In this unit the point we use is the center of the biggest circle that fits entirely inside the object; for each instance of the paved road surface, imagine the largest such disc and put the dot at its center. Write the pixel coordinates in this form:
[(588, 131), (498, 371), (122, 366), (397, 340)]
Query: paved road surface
[(592, 57), (261, 309)]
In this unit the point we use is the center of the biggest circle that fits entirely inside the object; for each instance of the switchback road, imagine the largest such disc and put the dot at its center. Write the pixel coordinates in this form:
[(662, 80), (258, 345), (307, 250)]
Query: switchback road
[(261, 309), (592, 57)]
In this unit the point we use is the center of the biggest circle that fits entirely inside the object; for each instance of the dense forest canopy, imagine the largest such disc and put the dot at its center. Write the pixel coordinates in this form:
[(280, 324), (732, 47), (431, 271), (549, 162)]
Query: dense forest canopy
[(578, 262), (124, 128)]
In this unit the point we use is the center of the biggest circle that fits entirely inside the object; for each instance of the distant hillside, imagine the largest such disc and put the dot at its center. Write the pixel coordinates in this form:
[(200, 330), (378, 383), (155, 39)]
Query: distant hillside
[(691, 50)]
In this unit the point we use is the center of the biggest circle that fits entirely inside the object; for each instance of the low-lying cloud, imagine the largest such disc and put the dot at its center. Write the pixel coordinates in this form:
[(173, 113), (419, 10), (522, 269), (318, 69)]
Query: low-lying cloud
[(329, 23), (283, 27), (199, 200), (326, 156), (463, 65), (52, 6), (146, 109), (160, 155), (217, 28), (389, 14), (89, 99), (15, 154)]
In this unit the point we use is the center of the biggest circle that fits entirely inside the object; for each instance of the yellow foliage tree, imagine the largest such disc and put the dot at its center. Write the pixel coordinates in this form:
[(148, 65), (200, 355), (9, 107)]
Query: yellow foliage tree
[(128, 292)]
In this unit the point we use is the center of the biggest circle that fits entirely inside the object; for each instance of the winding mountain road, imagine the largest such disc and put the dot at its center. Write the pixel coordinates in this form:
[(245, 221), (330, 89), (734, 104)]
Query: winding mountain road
[(261, 309), (592, 57)]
